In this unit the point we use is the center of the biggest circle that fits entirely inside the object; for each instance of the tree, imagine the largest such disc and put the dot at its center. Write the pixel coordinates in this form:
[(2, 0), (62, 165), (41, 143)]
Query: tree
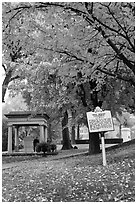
[(16, 103), (95, 39), (10, 66), (116, 18), (120, 35), (65, 133), (13, 48), (102, 52), (93, 50)]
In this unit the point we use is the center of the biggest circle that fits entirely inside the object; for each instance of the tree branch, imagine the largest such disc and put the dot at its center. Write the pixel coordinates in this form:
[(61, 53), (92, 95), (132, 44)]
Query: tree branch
[(97, 68), (5, 69), (126, 35), (129, 80), (15, 77), (113, 46)]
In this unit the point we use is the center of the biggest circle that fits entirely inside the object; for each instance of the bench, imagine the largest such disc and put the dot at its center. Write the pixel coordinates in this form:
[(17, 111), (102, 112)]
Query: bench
[(107, 141)]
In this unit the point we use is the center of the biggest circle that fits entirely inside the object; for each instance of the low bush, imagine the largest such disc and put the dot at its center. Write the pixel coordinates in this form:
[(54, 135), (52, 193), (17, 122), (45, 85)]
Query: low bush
[(53, 147), (38, 147), (45, 147)]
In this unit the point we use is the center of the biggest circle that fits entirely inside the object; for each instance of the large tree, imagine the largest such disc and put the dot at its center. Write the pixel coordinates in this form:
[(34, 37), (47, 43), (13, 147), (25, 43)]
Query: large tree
[(98, 35), (93, 39)]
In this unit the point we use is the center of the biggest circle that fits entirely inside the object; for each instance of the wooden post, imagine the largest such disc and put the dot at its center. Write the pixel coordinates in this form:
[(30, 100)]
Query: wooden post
[(10, 139), (103, 149)]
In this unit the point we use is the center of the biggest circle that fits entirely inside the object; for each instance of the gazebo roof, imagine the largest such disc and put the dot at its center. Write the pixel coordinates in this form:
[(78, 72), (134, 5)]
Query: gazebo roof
[(26, 114)]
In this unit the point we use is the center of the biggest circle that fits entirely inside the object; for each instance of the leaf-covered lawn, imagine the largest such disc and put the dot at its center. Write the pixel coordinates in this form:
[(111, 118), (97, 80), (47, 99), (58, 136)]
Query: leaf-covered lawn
[(81, 178), (10, 159)]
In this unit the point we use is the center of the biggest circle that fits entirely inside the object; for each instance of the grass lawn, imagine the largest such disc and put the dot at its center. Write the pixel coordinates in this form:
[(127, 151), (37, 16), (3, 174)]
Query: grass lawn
[(75, 179)]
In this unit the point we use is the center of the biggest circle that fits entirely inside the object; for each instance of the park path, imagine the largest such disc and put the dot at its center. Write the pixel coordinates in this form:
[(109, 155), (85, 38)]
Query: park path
[(60, 155)]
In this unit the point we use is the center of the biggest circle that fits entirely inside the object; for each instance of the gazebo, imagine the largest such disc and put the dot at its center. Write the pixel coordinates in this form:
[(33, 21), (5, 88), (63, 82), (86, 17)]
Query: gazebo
[(26, 118)]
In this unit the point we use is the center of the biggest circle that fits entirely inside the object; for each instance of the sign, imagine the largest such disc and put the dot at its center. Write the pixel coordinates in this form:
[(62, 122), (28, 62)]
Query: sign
[(100, 121)]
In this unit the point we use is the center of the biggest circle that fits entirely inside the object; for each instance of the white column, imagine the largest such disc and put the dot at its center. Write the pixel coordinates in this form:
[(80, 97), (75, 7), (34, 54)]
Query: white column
[(46, 134), (41, 133), (10, 139), (16, 139)]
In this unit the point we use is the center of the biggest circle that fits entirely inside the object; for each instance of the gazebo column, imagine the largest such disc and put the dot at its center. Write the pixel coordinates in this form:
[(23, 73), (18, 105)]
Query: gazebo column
[(46, 134), (10, 139), (16, 138), (42, 133)]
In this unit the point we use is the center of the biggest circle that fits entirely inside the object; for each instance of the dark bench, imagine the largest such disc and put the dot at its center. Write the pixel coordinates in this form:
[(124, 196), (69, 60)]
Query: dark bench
[(107, 141)]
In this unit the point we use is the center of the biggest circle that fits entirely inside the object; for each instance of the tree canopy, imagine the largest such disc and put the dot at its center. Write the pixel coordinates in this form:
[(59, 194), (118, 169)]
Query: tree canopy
[(67, 53)]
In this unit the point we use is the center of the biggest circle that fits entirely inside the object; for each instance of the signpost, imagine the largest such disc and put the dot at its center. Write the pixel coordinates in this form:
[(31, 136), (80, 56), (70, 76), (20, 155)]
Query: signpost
[(100, 121)]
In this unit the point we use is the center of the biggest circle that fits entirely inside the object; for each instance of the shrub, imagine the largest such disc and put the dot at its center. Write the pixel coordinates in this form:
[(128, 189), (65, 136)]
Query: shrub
[(53, 147), (45, 147), (42, 147), (38, 147)]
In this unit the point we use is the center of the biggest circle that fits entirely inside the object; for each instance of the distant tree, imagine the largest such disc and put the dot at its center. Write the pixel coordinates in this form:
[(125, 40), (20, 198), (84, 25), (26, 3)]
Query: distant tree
[(15, 103), (13, 49), (65, 133)]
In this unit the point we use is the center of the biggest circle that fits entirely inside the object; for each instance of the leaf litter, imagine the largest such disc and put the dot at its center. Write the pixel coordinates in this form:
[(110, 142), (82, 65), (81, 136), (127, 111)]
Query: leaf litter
[(80, 178)]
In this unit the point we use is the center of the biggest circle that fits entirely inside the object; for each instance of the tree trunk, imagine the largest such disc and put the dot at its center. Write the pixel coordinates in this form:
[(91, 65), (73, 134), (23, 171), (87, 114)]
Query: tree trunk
[(73, 135), (78, 132), (65, 133), (71, 127), (94, 144), (8, 78), (5, 84)]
